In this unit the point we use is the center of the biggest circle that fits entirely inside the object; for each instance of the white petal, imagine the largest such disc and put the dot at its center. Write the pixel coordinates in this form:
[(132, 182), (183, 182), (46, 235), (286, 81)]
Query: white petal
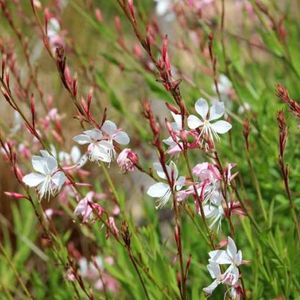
[(95, 134), (209, 290), (59, 179), (216, 111), (214, 270), (51, 164), (177, 125), (173, 170), (194, 122), (82, 139), (231, 248), (201, 108), (122, 138), (33, 179), (221, 127), (220, 257), (109, 127), (75, 154), (158, 190), (159, 170), (39, 164)]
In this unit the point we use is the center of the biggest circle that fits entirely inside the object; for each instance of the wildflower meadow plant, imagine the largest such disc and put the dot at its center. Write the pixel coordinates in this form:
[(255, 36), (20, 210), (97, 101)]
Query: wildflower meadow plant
[(149, 149)]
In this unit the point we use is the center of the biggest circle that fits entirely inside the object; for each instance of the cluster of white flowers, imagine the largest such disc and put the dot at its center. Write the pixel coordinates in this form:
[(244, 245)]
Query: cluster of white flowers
[(49, 178)]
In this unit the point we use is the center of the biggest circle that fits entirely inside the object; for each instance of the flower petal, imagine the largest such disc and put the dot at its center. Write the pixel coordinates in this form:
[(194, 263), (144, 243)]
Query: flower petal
[(39, 164), (177, 125), (201, 108), (33, 179), (194, 122), (109, 127), (159, 170), (75, 154), (82, 139), (59, 179), (122, 138), (219, 257), (158, 190), (231, 248), (209, 290), (216, 111), (94, 134), (221, 127), (214, 270)]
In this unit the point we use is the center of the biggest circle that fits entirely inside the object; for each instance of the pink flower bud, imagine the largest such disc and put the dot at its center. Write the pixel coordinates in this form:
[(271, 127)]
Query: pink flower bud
[(127, 160), (98, 15)]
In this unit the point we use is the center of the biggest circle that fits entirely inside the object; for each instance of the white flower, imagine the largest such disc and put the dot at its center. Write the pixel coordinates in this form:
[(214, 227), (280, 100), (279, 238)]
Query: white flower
[(100, 141), (209, 128), (230, 277), (214, 210), (163, 7), (229, 256), (224, 85), (53, 28), (162, 190), (47, 179)]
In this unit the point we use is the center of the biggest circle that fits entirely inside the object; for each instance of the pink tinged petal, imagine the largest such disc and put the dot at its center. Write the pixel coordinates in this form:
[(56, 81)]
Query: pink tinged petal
[(109, 127), (216, 111), (59, 179), (194, 122), (221, 127), (201, 108), (122, 138), (33, 179), (219, 257), (209, 290), (82, 139), (158, 190)]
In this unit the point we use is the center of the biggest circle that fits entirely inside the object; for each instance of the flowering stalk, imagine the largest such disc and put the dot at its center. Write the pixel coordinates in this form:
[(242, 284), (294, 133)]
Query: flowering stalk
[(283, 134)]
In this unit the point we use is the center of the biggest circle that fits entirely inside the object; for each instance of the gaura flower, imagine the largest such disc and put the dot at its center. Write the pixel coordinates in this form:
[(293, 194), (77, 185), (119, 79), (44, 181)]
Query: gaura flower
[(101, 140), (127, 160), (229, 277), (86, 207), (229, 256), (48, 179), (208, 128), (162, 190)]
